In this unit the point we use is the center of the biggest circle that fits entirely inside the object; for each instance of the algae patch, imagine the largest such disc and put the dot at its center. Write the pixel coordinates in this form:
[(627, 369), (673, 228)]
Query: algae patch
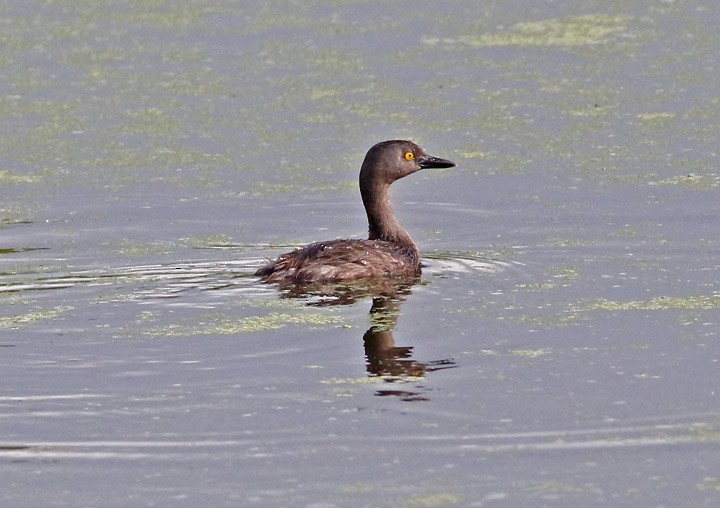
[(562, 277), (129, 248), (9, 177), (218, 241), (442, 499), (537, 321), (698, 302), (10, 216), (434, 499), (250, 324), (530, 353), (655, 117), (558, 488), (693, 180), (15, 322), (571, 31), (710, 484)]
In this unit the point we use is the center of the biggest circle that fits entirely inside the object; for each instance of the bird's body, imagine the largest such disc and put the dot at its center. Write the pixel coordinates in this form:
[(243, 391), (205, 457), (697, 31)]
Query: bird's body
[(388, 252), (342, 260)]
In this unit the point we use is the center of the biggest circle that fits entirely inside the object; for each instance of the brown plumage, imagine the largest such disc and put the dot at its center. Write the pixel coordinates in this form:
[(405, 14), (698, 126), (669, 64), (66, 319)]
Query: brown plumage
[(388, 252)]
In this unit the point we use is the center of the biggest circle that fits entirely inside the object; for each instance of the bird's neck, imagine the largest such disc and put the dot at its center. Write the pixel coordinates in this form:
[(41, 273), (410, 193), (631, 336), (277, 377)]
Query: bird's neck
[(381, 220)]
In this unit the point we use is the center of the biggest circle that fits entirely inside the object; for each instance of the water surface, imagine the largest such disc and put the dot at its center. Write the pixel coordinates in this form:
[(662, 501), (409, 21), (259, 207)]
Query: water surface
[(560, 349)]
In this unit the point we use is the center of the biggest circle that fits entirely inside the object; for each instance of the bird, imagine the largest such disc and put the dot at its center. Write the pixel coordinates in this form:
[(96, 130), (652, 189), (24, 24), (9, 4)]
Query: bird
[(388, 251)]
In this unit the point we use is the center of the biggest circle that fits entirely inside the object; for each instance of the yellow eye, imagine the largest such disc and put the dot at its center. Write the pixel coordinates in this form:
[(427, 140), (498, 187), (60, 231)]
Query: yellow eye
[(409, 156)]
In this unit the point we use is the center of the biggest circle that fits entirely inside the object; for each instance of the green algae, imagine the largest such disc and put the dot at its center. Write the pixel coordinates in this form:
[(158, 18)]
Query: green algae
[(562, 277), (574, 313), (139, 249), (556, 488), (692, 302), (655, 118), (563, 243), (217, 241), (530, 353), (549, 321), (263, 189), (157, 157), (10, 177), (538, 286), (474, 155), (356, 488), (151, 121), (21, 320), (709, 483), (435, 499), (571, 31), (692, 180), (222, 325), (166, 14)]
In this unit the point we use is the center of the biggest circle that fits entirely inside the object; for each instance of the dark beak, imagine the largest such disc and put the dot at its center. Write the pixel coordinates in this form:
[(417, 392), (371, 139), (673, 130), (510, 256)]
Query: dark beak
[(428, 161)]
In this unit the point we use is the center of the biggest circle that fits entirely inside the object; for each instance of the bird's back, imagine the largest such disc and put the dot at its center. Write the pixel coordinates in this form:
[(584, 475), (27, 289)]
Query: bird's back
[(343, 260)]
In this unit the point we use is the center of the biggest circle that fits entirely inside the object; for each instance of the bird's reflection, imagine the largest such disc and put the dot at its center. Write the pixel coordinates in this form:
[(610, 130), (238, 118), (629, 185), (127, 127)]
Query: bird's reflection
[(385, 359), (393, 364)]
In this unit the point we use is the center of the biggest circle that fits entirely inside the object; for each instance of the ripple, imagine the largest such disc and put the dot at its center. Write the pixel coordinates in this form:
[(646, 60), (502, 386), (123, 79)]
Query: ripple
[(170, 279), (687, 431), (445, 263)]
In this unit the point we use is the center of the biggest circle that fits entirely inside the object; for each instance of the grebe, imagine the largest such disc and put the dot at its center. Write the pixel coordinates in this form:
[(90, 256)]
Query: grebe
[(388, 252)]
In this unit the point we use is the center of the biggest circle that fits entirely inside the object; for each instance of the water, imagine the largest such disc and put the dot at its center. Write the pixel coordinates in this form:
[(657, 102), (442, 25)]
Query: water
[(560, 350)]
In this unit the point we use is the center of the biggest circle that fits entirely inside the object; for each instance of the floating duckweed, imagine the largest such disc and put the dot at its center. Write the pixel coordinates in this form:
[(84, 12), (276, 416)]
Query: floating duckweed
[(12, 216), (549, 321), (434, 500), (15, 322), (566, 273), (150, 121), (562, 243), (710, 483), (531, 353), (474, 155), (284, 303), (553, 487), (356, 488), (268, 189), (691, 179), (8, 177), (318, 118), (210, 241), (159, 15), (659, 303), (538, 286), (705, 432), (260, 189), (252, 324), (146, 316), (139, 248), (573, 31), (653, 117), (323, 93)]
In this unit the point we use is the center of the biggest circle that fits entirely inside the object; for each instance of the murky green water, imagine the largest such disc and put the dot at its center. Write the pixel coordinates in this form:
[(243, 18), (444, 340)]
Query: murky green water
[(560, 350)]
